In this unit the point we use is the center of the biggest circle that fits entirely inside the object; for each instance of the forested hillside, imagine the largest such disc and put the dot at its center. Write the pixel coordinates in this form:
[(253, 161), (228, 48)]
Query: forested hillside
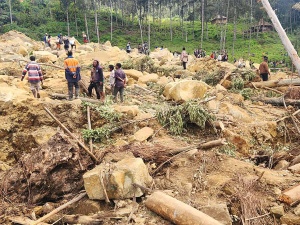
[(168, 23)]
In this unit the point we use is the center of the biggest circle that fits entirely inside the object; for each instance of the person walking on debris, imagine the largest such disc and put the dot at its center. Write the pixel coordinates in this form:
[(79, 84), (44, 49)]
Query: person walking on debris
[(45, 40), (128, 48), (97, 81), (66, 43), (85, 39), (112, 79), (184, 57), (120, 82), (72, 74), (72, 43), (35, 76), (264, 69)]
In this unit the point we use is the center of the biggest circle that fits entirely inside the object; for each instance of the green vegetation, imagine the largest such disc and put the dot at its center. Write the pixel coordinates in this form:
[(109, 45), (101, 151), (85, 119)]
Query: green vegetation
[(177, 118), (35, 18), (110, 117)]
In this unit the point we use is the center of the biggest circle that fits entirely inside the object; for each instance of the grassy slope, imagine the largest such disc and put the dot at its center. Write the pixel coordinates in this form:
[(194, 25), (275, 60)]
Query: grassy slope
[(261, 44)]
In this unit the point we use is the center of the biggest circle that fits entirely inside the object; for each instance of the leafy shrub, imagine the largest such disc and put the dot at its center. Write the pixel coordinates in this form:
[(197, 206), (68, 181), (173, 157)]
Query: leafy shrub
[(247, 93), (176, 118), (238, 83), (214, 78)]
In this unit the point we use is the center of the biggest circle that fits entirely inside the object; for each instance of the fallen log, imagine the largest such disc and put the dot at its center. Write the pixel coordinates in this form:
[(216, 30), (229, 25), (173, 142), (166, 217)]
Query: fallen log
[(275, 83), (89, 126), (72, 135), (291, 196), (24, 220), (176, 211), (278, 101), (204, 146), (63, 96), (282, 35), (76, 199), (93, 219)]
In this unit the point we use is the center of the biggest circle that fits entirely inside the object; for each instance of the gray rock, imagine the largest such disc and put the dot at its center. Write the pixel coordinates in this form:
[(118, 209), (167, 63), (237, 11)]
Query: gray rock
[(277, 211), (218, 212), (118, 179), (282, 165)]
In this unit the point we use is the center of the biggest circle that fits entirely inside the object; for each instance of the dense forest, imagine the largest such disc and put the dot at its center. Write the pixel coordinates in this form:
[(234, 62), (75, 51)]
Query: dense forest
[(170, 23)]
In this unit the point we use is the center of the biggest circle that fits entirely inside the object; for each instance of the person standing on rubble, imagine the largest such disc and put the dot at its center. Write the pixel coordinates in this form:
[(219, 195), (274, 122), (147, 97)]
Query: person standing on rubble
[(264, 69), (184, 57), (112, 79), (72, 74), (120, 82), (97, 81), (35, 76)]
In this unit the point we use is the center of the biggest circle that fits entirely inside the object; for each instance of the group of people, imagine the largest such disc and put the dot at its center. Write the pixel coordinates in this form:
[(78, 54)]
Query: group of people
[(66, 41), (199, 53), (117, 79)]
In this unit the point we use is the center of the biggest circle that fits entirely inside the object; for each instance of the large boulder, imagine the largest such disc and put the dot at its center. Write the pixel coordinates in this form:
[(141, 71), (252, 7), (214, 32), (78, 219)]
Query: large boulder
[(118, 181), (185, 90), (86, 48), (131, 110), (148, 78), (45, 56), (135, 74), (22, 51), (143, 134)]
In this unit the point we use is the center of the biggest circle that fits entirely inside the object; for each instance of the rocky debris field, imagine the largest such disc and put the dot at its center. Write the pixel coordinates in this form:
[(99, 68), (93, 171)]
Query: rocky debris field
[(212, 143)]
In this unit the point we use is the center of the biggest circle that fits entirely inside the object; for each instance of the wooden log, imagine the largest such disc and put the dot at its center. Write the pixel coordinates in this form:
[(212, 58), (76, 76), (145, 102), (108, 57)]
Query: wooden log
[(176, 211), (72, 135), (278, 101), (24, 220), (63, 96), (204, 146), (89, 126), (282, 35), (76, 199), (291, 196), (295, 168), (276, 83), (91, 219)]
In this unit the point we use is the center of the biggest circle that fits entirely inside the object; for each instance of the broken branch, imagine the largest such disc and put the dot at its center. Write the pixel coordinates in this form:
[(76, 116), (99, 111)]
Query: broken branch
[(72, 135)]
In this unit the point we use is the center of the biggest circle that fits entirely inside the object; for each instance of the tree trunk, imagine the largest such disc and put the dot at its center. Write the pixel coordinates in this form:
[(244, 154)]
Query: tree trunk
[(149, 26), (111, 20), (202, 22), (10, 11), (76, 23), (284, 38), (176, 211), (278, 101), (139, 19), (96, 25), (276, 83), (225, 31), (86, 27), (250, 35), (234, 29), (68, 22), (171, 30), (291, 196)]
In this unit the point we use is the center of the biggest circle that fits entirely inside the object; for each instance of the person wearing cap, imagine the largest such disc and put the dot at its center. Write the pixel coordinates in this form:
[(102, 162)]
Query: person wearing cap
[(97, 81), (72, 74), (264, 69), (35, 76)]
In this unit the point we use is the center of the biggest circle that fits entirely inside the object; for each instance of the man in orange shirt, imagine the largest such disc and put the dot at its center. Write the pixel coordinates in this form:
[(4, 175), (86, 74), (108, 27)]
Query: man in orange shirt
[(72, 74), (264, 69)]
